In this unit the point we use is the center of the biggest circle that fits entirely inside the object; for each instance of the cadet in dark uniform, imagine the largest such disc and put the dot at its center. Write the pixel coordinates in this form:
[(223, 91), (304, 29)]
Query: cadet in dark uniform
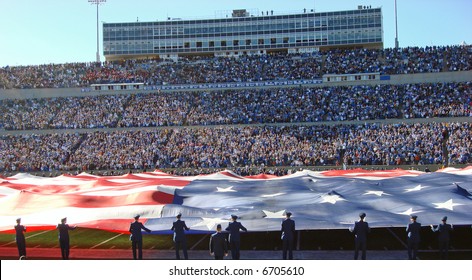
[(235, 236), (218, 244), (20, 238), (137, 237), (360, 230), (64, 240), (413, 232), (179, 237), (288, 235), (443, 237)]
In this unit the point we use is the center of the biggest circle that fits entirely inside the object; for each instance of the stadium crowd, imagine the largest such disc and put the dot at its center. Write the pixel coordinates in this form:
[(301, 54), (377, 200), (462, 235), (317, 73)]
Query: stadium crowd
[(240, 147), (265, 67), (185, 141), (255, 106)]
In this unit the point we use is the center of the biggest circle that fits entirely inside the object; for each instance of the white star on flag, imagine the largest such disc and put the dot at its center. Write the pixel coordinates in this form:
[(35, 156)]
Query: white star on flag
[(417, 188), (331, 198), (447, 205), (274, 215), (228, 189), (409, 212), (272, 195), (210, 223), (377, 193)]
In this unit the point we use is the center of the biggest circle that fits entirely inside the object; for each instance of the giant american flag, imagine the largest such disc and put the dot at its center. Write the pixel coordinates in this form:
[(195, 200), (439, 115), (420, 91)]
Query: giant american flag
[(317, 200)]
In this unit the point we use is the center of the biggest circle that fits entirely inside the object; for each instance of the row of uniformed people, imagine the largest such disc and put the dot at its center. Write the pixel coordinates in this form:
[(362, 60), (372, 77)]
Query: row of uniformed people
[(219, 244)]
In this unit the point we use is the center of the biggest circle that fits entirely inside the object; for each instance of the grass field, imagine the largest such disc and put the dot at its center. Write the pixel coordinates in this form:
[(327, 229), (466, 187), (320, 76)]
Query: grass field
[(379, 239), (91, 239), (86, 239)]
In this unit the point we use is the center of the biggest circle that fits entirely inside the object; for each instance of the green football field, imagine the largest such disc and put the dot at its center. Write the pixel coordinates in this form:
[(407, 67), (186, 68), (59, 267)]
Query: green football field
[(379, 239), (99, 239), (89, 239)]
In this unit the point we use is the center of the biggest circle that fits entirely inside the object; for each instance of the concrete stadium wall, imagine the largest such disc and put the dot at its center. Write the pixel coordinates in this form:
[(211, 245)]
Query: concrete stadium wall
[(293, 169), (441, 77), (154, 128), (49, 93), (459, 76)]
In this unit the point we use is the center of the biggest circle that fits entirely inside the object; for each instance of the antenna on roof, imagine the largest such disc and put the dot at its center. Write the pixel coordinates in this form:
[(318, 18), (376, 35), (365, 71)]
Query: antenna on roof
[(396, 27)]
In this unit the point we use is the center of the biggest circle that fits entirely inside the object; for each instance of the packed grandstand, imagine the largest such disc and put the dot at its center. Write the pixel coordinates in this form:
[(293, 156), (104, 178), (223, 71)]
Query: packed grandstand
[(281, 66), (248, 130)]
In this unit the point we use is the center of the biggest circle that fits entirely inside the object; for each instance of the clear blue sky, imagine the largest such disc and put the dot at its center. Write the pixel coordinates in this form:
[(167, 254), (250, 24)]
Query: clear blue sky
[(36, 32)]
